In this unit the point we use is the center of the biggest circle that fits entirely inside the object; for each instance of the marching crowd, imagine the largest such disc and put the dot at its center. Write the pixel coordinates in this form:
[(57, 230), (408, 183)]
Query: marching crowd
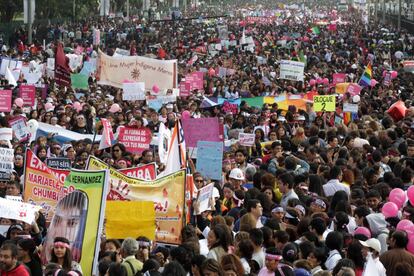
[(308, 198)]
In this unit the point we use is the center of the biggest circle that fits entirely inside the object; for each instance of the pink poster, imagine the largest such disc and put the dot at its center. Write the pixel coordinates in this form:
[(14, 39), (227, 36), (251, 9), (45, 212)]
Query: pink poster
[(338, 78), (387, 79), (229, 107), (202, 129), (185, 88), (196, 79), (5, 100), (28, 94), (136, 140), (354, 89)]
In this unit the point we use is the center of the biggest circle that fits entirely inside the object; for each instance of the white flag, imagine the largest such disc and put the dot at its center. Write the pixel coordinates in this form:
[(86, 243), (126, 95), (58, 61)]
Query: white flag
[(10, 78)]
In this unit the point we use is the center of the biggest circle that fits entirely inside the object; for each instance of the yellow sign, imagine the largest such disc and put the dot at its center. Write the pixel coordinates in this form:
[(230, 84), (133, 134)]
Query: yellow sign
[(167, 194), (324, 103), (130, 219)]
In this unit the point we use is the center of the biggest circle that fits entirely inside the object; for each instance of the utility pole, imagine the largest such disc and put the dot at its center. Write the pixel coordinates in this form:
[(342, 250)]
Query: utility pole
[(29, 22), (399, 15), (127, 10)]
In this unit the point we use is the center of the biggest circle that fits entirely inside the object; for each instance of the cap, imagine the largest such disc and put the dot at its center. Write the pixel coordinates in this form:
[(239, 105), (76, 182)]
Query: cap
[(372, 243), (237, 174), (363, 231)]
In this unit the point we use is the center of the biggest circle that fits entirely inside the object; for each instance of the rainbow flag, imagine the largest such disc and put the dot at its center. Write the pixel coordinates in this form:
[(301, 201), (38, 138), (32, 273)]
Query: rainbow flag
[(366, 76)]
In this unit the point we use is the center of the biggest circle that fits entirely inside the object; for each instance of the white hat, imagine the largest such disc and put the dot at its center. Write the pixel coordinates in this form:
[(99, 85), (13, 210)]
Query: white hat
[(372, 243), (237, 174)]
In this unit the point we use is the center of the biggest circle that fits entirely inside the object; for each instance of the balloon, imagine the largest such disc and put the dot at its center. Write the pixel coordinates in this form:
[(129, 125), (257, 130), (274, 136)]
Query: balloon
[(356, 98), (410, 245), (319, 80), (394, 74), (410, 194), (397, 110), (185, 115), (155, 88), (389, 210), (49, 107), (211, 72), (19, 102), (115, 108), (384, 73), (397, 196), (312, 82), (77, 106), (407, 226), (374, 82), (325, 81)]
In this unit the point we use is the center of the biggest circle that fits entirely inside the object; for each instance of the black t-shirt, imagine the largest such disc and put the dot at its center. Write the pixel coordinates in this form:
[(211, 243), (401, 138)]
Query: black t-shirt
[(35, 268)]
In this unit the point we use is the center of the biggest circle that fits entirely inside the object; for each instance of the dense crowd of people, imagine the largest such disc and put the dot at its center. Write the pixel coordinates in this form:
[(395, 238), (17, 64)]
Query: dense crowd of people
[(306, 199)]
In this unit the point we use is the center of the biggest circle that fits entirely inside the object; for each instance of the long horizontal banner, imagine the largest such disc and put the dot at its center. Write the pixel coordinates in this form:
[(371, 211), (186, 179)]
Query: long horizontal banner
[(115, 70)]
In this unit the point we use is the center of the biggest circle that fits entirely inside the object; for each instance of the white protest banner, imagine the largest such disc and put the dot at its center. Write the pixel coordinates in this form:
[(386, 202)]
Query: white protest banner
[(6, 134), (246, 139), (115, 70), (11, 209), (204, 196), (353, 108), (292, 70), (14, 198), (133, 91)]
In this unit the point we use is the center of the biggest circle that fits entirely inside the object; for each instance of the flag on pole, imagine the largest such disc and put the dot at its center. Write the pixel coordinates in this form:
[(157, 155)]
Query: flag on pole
[(107, 135), (62, 69), (366, 77), (177, 156), (314, 30)]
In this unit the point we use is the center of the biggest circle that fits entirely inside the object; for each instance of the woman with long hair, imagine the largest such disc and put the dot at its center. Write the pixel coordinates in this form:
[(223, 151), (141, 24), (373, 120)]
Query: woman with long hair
[(27, 254), (62, 255), (218, 241)]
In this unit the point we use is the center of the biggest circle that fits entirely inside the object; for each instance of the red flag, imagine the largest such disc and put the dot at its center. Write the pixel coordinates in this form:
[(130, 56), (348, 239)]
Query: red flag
[(62, 70)]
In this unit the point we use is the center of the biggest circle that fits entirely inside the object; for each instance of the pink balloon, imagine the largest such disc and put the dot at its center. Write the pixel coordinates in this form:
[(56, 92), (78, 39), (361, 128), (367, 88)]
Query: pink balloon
[(325, 81), (19, 102), (155, 88), (397, 196), (211, 72), (374, 82), (185, 115), (389, 210), (77, 106), (115, 108), (312, 82), (319, 80), (384, 73), (405, 225), (394, 74), (410, 245), (49, 106), (410, 194)]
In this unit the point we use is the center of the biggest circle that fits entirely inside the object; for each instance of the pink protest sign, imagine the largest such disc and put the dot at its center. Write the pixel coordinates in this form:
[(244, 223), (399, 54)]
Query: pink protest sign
[(387, 79), (196, 79), (338, 78), (229, 107), (354, 89), (28, 94), (5, 100), (185, 88), (202, 129), (136, 140)]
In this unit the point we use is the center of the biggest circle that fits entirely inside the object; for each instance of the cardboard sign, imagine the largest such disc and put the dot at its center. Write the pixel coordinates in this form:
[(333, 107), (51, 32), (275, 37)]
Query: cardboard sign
[(20, 128), (136, 140), (348, 107), (229, 107), (59, 163), (11, 209), (202, 129), (133, 91), (246, 139), (204, 196), (196, 79), (292, 70), (325, 103), (210, 159), (338, 78), (5, 100), (28, 94)]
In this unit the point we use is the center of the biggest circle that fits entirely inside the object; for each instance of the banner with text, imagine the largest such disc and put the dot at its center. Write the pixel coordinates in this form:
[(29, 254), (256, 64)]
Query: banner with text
[(292, 70), (136, 140)]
